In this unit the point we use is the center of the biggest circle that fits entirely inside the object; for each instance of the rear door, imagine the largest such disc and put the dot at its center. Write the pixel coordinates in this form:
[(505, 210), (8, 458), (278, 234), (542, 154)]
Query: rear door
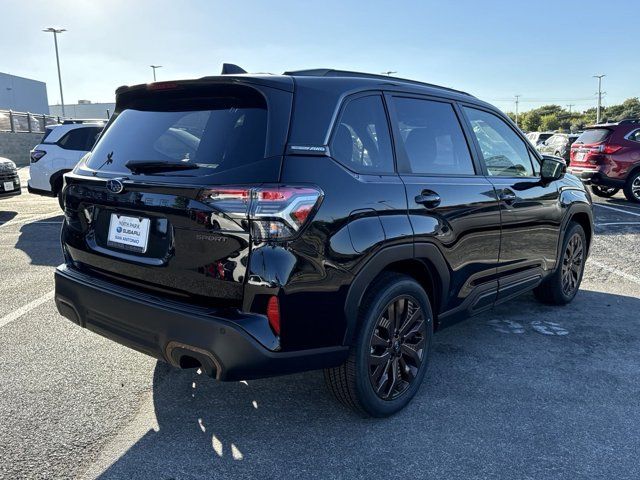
[(180, 229), (530, 209), (450, 205)]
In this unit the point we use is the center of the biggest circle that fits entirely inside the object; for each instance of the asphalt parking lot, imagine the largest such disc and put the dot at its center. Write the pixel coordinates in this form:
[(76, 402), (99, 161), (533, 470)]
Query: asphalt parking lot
[(525, 391)]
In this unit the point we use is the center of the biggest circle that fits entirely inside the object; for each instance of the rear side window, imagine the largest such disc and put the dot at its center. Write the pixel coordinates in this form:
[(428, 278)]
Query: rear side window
[(634, 136), (74, 139), (217, 134), (432, 137), (593, 135), (361, 140), (504, 153)]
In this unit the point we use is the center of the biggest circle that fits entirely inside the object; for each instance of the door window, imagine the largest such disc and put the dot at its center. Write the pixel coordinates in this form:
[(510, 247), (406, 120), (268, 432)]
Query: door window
[(361, 140), (81, 139), (432, 137), (504, 153)]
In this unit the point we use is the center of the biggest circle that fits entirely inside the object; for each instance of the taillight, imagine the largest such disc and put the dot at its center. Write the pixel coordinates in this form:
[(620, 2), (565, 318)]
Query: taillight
[(609, 148), (273, 314), (275, 212), (37, 155)]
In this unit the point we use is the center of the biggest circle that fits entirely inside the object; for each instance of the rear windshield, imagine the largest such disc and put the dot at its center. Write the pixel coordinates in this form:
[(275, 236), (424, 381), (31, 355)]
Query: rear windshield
[(215, 134), (593, 135)]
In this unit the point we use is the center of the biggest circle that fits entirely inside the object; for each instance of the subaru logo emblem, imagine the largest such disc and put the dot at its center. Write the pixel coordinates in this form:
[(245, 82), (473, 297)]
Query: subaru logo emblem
[(114, 185)]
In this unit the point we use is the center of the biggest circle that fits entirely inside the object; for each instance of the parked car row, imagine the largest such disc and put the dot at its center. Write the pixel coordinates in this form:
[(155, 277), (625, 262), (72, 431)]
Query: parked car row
[(606, 156)]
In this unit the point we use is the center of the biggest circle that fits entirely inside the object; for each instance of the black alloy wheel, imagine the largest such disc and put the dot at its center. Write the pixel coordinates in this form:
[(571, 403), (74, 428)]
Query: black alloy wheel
[(604, 192), (389, 356), (572, 265), (397, 347)]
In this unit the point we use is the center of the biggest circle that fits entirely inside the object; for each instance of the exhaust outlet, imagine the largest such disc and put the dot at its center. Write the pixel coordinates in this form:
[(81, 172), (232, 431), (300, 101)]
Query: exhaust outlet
[(185, 356)]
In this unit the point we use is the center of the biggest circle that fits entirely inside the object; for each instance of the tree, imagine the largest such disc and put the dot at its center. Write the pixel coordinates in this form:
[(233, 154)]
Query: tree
[(531, 121), (549, 122)]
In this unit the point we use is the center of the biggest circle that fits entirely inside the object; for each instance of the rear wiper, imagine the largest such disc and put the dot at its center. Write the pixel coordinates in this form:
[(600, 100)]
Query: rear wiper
[(138, 166)]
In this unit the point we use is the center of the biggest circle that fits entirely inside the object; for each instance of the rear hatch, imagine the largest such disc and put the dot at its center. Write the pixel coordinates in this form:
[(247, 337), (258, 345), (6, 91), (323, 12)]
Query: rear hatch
[(587, 149), (161, 202)]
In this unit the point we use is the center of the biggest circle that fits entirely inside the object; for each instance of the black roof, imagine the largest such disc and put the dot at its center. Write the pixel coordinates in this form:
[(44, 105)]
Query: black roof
[(329, 72)]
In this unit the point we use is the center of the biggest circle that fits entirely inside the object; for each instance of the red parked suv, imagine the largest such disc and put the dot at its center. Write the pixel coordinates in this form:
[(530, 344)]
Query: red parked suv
[(608, 157)]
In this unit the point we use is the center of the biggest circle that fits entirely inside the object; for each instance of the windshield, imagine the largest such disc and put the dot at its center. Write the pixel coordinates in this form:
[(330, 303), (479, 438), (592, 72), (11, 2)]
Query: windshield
[(213, 140), (593, 135)]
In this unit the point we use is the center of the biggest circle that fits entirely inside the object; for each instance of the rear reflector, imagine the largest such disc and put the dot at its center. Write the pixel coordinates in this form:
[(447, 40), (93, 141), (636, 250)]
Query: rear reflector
[(273, 314)]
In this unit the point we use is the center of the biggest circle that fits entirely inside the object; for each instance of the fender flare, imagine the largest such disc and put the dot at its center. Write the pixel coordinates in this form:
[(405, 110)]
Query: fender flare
[(578, 204), (385, 257)]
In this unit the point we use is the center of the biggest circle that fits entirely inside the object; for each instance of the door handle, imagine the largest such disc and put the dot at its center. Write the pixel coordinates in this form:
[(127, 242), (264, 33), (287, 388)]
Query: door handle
[(507, 196), (428, 198)]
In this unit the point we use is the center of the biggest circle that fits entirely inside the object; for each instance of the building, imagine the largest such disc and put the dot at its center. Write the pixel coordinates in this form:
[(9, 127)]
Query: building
[(23, 94), (84, 109)]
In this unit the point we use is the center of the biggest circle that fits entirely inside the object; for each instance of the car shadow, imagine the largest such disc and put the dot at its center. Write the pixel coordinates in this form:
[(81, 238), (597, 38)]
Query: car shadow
[(40, 241), (6, 216), (505, 389)]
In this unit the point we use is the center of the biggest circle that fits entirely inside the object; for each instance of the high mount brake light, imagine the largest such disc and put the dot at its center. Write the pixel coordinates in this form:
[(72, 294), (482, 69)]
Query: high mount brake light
[(276, 212), (162, 86)]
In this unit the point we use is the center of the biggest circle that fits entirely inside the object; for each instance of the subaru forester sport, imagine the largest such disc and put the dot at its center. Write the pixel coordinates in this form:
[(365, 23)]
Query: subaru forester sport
[(318, 219)]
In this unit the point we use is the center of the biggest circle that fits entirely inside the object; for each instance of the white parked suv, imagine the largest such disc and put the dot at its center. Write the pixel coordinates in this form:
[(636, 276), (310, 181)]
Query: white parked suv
[(58, 152)]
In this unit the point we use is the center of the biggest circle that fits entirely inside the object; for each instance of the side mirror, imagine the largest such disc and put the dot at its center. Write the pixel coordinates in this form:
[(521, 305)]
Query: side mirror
[(552, 168)]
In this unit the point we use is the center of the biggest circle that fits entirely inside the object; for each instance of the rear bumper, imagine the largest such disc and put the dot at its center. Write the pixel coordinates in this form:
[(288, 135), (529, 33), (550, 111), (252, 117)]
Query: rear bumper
[(39, 191), (10, 193), (170, 332), (593, 176)]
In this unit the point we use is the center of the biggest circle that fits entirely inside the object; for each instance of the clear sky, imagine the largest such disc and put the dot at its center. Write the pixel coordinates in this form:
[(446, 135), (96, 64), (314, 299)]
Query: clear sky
[(546, 51)]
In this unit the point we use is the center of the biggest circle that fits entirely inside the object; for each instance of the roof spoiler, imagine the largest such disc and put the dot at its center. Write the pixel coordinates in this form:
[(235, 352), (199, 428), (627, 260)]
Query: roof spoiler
[(231, 69)]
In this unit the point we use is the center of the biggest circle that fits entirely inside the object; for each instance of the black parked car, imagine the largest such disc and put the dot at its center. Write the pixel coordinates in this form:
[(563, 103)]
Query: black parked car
[(9, 179), (325, 219), (558, 144)]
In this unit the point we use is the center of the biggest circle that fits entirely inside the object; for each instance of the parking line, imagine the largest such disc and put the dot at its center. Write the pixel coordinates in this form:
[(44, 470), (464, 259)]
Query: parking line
[(616, 223), (615, 271), (617, 209), (26, 308)]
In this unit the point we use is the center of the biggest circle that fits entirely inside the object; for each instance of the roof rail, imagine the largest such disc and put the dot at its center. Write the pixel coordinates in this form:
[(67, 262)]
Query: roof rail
[(70, 121), (330, 72)]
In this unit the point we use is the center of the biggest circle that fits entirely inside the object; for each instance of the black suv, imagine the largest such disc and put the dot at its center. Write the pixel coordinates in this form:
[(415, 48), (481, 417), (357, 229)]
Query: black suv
[(257, 225)]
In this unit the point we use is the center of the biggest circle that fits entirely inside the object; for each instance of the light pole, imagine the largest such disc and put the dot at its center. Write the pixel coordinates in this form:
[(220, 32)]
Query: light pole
[(599, 77), (55, 32), (153, 67), (517, 103)]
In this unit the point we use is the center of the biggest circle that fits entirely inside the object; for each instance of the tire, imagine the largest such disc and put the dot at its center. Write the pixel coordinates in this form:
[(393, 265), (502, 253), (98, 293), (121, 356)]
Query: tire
[(632, 187), (604, 192), (60, 200), (396, 364), (563, 284)]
